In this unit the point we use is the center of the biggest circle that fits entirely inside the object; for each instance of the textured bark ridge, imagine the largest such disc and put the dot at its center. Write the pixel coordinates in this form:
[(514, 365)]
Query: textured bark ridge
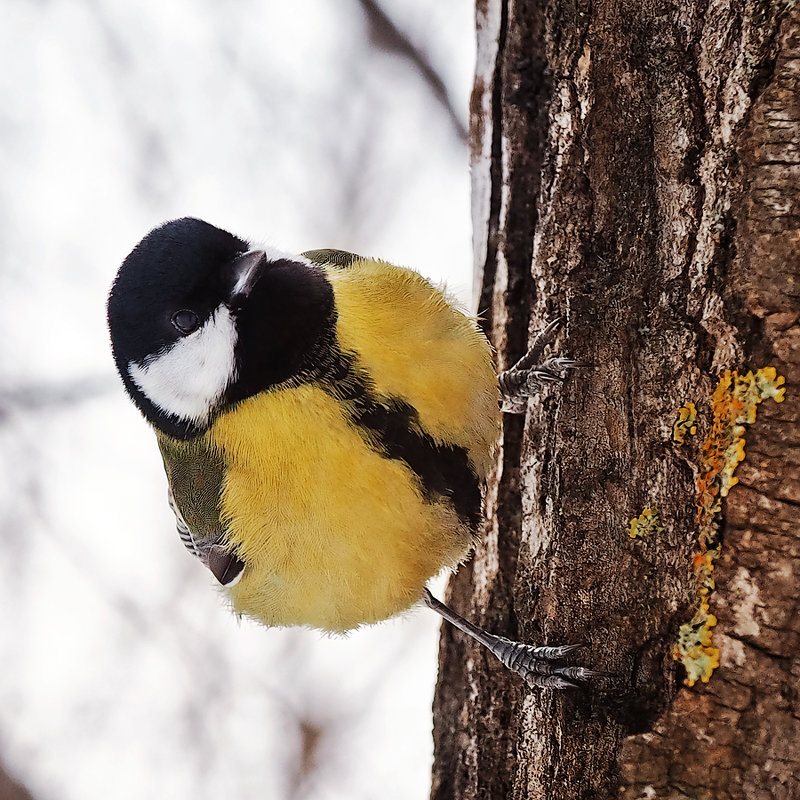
[(636, 170)]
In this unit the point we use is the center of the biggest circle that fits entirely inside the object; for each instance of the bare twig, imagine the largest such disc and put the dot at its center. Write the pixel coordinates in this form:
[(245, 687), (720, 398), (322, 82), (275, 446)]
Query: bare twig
[(389, 37)]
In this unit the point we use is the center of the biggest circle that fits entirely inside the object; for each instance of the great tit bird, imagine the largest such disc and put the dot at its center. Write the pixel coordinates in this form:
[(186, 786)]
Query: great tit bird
[(325, 422)]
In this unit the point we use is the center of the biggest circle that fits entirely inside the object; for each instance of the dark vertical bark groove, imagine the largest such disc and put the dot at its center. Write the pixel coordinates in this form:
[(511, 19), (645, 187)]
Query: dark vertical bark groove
[(636, 169)]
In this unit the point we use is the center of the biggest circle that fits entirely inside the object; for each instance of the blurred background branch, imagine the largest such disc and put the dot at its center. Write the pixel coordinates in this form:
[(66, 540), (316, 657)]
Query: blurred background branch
[(321, 123), (386, 35)]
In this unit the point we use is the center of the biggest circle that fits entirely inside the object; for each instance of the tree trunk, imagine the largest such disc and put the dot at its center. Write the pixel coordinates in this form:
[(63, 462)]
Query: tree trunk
[(636, 170)]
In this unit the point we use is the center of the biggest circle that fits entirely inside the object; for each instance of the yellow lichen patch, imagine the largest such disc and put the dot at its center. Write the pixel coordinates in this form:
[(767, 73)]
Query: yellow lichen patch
[(733, 406), (646, 523), (685, 424), (770, 384), (693, 647)]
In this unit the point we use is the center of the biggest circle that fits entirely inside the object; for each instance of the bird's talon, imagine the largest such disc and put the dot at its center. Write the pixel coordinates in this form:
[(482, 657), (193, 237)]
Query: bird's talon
[(537, 667), (557, 653)]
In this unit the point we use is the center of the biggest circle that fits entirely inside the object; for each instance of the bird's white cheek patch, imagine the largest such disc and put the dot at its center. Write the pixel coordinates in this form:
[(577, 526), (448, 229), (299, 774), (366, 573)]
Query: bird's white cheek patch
[(188, 378)]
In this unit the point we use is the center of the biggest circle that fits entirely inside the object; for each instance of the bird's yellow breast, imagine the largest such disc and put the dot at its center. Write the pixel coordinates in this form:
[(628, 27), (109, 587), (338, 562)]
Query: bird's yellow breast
[(334, 531)]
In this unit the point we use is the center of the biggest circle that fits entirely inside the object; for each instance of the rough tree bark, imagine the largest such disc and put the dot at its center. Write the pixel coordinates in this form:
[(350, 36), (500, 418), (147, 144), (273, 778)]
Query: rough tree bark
[(636, 169)]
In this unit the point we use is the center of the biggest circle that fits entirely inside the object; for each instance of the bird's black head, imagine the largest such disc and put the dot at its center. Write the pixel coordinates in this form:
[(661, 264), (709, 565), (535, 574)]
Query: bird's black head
[(199, 320)]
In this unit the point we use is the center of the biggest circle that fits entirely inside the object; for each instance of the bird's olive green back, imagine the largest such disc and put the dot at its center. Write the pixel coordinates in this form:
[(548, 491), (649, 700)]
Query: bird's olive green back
[(195, 474), (339, 258)]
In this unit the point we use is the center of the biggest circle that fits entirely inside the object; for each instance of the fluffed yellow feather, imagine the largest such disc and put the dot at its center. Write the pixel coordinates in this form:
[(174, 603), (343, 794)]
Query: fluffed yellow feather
[(418, 346), (334, 534)]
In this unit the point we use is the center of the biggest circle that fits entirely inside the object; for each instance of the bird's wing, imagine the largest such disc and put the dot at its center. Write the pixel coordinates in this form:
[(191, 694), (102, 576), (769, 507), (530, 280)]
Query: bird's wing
[(189, 542), (195, 481), (194, 474), (339, 258)]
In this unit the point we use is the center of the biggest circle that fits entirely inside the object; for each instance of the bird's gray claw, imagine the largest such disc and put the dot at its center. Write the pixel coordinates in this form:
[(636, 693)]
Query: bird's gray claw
[(557, 653), (546, 334), (537, 667), (543, 338), (527, 377), (521, 384), (562, 678), (554, 368)]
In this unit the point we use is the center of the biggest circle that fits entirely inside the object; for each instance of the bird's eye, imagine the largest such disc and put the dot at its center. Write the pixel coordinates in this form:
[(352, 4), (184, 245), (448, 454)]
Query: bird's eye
[(185, 321)]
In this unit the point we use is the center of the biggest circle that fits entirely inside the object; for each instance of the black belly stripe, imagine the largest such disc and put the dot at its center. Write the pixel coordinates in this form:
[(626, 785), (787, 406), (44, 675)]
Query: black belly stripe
[(392, 425)]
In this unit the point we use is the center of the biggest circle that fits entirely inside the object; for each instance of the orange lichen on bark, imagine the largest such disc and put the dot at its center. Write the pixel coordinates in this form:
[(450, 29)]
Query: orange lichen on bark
[(733, 406), (685, 424), (646, 523)]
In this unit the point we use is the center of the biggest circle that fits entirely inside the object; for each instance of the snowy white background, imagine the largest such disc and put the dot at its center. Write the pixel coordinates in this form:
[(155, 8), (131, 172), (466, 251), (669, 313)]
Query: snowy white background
[(299, 123)]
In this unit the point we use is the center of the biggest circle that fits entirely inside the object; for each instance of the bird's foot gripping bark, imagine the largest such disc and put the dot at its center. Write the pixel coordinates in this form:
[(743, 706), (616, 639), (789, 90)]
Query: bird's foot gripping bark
[(537, 666), (527, 377)]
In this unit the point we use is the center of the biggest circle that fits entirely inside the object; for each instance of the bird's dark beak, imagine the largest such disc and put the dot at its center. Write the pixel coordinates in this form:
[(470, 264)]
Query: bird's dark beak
[(243, 272)]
